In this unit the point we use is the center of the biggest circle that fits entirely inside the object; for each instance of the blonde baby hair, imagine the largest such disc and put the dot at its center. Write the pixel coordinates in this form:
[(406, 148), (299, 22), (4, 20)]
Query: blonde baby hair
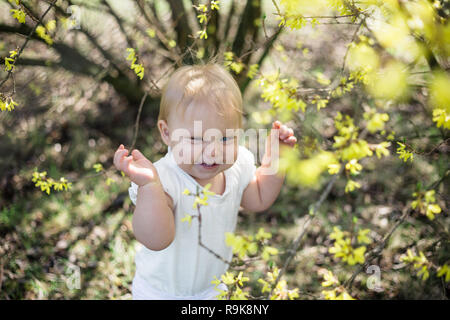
[(209, 83)]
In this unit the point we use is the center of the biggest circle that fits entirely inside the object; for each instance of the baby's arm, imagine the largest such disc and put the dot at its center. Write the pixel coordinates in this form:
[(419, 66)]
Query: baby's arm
[(263, 190), (153, 218)]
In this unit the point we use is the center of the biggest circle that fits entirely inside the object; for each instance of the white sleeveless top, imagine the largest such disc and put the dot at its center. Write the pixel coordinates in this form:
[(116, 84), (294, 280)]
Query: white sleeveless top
[(184, 269)]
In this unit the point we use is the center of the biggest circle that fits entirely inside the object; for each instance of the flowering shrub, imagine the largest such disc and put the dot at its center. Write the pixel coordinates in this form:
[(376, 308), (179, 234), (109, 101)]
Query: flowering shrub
[(390, 83)]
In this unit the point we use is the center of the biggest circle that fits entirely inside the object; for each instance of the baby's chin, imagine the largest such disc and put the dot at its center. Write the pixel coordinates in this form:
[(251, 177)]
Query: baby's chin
[(200, 171), (204, 171)]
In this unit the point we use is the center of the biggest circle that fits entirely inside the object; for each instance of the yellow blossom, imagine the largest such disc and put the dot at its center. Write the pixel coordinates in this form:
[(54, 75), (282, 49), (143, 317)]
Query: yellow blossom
[(261, 235), (405, 155), (362, 236), (351, 185), (98, 167), (444, 270), (381, 149), (353, 166), (330, 279), (188, 218), (432, 209), (268, 251), (19, 15), (334, 168)]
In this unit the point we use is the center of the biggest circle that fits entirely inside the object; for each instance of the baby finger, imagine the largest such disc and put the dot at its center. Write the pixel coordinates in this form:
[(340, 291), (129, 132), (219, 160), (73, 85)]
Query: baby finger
[(290, 132), (284, 132), (290, 141)]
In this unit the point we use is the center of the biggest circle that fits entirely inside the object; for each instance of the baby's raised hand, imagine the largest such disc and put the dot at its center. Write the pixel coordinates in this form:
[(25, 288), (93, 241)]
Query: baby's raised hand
[(286, 134), (280, 135), (138, 168)]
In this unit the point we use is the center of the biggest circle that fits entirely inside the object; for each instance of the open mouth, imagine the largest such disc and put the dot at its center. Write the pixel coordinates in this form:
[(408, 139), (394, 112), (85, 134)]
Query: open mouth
[(209, 166)]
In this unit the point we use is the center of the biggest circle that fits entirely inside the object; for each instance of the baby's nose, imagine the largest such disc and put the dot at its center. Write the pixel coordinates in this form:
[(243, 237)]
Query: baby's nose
[(213, 152)]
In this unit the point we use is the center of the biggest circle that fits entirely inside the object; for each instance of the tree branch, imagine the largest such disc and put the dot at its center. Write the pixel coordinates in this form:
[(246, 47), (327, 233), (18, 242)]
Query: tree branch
[(251, 11), (159, 31), (130, 41), (181, 24)]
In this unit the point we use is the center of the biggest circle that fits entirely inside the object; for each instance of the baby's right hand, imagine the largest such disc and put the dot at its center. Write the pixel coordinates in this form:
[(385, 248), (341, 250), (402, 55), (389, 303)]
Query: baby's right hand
[(137, 167)]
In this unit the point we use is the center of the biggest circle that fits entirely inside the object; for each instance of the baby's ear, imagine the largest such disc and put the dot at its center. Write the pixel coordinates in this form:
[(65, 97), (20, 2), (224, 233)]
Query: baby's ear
[(164, 131)]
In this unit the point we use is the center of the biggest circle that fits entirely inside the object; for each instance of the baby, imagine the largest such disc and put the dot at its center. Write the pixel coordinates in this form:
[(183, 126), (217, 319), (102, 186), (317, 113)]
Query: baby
[(200, 113)]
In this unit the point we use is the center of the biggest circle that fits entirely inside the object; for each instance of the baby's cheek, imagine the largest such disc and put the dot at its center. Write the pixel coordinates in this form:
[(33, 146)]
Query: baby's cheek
[(230, 153), (188, 152), (196, 152)]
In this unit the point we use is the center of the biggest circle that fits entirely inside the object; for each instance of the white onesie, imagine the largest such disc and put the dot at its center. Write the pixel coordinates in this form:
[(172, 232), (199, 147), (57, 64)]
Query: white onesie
[(184, 270)]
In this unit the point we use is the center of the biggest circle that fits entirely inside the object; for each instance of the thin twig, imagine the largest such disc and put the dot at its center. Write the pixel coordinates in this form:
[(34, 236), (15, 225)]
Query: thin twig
[(199, 218), (348, 47), (262, 45), (136, 124), (371, 255), (423, 153), (318, 17), (376, 252), (276, 6)]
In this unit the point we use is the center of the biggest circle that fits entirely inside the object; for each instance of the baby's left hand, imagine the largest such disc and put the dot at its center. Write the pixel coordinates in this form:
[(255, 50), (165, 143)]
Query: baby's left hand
[(280, 135), (286, 134)]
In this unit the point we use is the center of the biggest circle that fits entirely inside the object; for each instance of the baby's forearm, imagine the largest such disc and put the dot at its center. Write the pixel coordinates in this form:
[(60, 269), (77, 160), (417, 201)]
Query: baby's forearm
[(153, 220), (269, 185)]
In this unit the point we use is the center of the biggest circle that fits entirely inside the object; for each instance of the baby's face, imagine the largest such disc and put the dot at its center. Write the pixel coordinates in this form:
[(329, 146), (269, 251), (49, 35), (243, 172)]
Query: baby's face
[(203, 142)]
